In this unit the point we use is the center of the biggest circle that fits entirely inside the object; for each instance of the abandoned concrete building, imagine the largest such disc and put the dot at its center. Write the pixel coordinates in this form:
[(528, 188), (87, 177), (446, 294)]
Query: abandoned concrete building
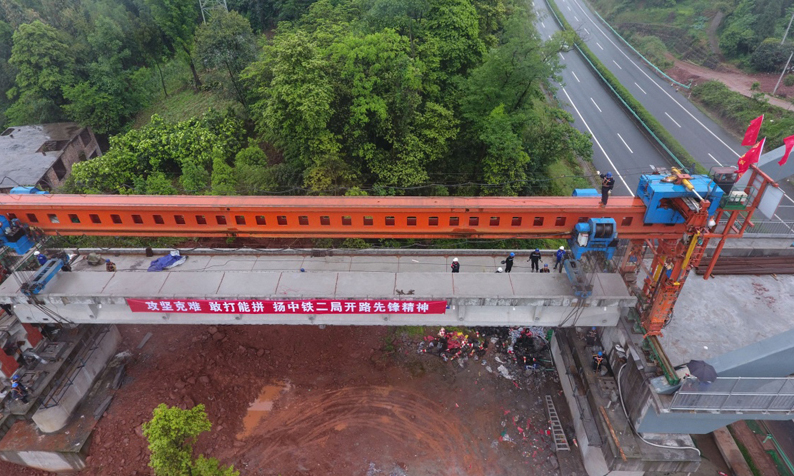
[(42, 155)]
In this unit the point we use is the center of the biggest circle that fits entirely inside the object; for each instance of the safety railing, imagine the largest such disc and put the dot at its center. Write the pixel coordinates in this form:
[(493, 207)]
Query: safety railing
[(768, 229), (736, 394)]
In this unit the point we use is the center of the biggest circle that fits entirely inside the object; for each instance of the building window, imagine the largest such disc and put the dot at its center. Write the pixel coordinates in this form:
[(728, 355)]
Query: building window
[(59, 169), (85, 137)]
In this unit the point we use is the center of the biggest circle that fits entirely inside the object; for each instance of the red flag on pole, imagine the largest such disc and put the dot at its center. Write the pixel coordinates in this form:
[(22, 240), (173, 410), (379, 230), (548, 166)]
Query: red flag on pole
[(789, 141), (750, 157), (752, 132)]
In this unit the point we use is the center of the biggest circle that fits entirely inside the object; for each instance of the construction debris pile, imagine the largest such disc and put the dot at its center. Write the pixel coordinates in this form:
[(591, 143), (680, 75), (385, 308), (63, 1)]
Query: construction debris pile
[(526, 347), (522, 356)]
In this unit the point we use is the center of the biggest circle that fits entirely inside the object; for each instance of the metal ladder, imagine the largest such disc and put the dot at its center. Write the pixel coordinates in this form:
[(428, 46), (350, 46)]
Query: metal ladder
[(560, 442)]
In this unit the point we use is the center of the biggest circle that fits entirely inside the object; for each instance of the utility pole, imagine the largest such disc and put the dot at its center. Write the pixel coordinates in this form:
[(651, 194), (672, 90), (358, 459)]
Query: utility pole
[(787, 28), (785, 68), (207, 7)]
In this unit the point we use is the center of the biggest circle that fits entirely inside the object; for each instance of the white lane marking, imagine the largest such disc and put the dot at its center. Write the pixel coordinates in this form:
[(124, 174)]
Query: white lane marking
[(596, 105), (544, 25), (616, 64), (654, 82), (643, 91), (569, 8), (599, 45), (671, 118), (597, 142), (576, 18), (561, 56), (575, 76), (624, 143), (585, 30), (715, 160), (642, 70)]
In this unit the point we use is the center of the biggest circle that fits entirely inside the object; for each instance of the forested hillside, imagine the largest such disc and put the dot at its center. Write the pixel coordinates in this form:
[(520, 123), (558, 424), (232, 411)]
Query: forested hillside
[(424, 97), (745, 32)]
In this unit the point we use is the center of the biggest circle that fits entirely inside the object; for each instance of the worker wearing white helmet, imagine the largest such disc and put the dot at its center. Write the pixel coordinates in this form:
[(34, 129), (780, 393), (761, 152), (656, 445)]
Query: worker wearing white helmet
[(499, 270), (560, 257), (455, 265), (40, 257)]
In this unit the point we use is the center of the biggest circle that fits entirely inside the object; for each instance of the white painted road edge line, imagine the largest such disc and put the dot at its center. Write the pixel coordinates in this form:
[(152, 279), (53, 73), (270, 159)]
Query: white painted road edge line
[(715, 160), (642, 70), (596, 105), (597, 142), (624, 143), (575, 76), (671, 118), (643, 91), (654, 82)]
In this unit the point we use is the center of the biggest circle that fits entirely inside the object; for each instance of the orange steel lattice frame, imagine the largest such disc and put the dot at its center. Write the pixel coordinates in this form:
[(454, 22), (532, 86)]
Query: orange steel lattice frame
[(327, 217)]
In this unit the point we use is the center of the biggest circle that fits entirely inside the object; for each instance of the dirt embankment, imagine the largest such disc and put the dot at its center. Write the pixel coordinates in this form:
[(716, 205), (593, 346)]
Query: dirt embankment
[(735, 79), (334, 401)]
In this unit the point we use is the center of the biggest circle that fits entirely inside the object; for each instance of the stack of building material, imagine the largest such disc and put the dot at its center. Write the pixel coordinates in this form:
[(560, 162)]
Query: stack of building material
[(749, 265)]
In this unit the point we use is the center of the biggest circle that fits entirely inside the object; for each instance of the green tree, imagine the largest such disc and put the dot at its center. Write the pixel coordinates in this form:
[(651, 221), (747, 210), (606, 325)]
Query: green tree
[(182, 152), (7, 71), (172, 432), (44, 65), (211, 467), (738, 37), (505, 159), (223, 177), (177, 20), (228, 42), (453, 28), (296, 95), (770, 55)]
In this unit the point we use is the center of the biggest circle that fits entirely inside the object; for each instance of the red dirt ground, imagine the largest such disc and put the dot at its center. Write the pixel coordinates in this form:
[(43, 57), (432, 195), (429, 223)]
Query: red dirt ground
[(735, 79), (360, 401)]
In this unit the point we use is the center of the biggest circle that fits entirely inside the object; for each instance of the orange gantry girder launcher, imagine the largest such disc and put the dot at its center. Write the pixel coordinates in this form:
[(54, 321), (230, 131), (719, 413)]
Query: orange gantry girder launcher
[(327, 217), (677, 247)]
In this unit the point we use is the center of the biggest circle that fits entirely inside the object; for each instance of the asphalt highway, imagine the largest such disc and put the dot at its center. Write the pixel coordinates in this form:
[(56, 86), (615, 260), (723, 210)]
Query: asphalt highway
[(706, 141), (618, 144)]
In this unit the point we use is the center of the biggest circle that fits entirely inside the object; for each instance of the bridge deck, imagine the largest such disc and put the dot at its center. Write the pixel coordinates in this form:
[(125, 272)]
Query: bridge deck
[(476, 294)]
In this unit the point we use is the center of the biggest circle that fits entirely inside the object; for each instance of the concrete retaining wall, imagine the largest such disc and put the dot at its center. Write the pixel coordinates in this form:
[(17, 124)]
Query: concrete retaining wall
[(56, 416), (47, 460)]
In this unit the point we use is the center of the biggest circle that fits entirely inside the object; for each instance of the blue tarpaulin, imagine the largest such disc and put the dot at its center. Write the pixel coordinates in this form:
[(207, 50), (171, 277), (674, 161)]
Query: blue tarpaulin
[(168, 261)]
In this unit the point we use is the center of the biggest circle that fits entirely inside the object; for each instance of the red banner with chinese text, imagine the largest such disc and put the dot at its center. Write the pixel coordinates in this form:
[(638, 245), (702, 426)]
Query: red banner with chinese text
[(300, 306)]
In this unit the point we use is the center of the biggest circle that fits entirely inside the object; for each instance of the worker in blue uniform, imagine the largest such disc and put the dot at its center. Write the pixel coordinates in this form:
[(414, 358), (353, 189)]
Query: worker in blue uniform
[(560, 255), (40, 257), (19, 392)]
